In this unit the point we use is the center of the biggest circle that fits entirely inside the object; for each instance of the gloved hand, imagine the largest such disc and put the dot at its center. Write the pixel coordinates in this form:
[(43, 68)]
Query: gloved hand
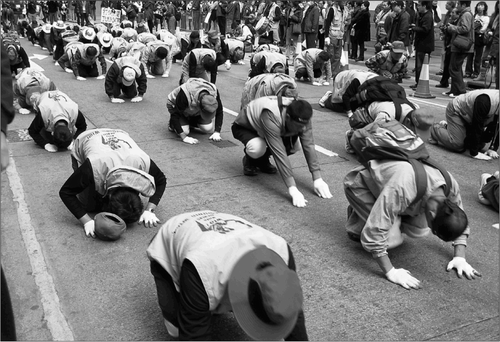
[(298, 199), (387, 74), (50, 147), (325, 83), (89, 228), (463, 267), (327, 41), (136, 99), (490, 153), (70, 147), (68, 70), (403, 277), (80, 78), (115, 100), (149, 76), (228, 65), (149, 218), (481, 156), (24, 111), (322, 189), (101, 77), (165, 75), (443, 123), (215, 137), (189, 140)]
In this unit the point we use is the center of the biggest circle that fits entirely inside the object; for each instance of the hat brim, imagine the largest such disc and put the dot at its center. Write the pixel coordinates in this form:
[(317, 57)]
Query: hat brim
[(106, 45), (399, 50), (244, 270)]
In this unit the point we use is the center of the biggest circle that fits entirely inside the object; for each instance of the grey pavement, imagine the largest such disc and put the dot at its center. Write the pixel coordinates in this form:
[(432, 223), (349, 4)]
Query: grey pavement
[(70, 287)]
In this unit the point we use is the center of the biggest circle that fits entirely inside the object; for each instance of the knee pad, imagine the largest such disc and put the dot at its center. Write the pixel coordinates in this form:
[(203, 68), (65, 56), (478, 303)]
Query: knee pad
[(256, 148)]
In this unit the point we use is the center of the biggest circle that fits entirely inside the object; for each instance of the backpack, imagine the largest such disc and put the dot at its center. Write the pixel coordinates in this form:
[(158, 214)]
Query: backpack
[(392, 140), (380, 88)]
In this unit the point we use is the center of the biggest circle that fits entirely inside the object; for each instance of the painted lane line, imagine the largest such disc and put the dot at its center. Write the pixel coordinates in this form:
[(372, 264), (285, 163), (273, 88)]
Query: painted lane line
[(318, 148), (56, 322), (35, 66), (427, 102)]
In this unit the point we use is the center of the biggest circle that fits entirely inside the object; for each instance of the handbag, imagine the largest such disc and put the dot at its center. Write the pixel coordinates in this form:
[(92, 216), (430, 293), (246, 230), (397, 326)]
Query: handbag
[(296, 28), (462, 43)]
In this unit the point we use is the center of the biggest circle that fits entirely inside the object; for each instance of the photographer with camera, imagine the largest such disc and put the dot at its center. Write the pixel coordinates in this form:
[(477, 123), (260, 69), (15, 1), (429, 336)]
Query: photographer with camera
[(447, 38)]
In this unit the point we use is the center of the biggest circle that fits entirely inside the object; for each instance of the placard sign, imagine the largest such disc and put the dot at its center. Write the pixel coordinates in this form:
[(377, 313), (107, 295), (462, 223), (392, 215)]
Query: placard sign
[(110, 16)]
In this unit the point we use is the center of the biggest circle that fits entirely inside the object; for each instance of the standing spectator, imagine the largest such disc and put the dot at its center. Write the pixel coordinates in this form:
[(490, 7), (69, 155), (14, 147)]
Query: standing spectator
[(45, 11), (410, 8), (450, 5), (335, 25), (447, 36), (196, 8), (310, 24), (232, 6), (354, 8), (361, 24), (294, 18), (78, 4), (149, 17), (71, 10), (85, 13), (464, 27), (380, 21), (63, 11), (53, 8), (249, 13), (400, 25), (93, 10), (489, 37), (321, 24), (424, 36), (31, 10), (481, 21), (221, 16)]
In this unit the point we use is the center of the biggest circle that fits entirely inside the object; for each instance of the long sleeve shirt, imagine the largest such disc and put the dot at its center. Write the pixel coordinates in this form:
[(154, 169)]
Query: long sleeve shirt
[(114, 74), (83, 178), (37, 125), (383, 61), (78, 59), (182, 103)]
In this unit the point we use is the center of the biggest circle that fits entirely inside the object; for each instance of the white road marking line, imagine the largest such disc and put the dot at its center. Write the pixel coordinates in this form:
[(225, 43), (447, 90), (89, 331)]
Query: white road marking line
[(56, 322), (427, 102), (318, 148), (35, 66), (495, 225)]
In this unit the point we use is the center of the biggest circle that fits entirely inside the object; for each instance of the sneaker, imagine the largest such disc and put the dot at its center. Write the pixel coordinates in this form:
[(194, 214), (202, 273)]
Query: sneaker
[(322, 100), (316, 84), (348, 147), (439, 85), (354, 237), (325, 83), (172, 330), (240, 62), (446, 93), (170, 129), (414, 86), (248, 168), (452, 95)]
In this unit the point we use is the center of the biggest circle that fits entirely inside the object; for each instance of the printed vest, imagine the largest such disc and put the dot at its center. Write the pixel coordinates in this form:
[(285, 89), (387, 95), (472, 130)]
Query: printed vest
[(464, 105), (146, 37), (131, 62), (265, 85), (343, 81), (108, 149), (200, 53), (272, 58), (153, 46), (54, 106), (233, 44), (30, 77), (213, 242), (192, 88)]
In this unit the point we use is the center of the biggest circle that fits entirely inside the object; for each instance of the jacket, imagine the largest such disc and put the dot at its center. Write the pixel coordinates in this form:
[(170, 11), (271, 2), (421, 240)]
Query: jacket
[(361, 24), (424, 33), (464, 27), (311, 20), (400, 28)]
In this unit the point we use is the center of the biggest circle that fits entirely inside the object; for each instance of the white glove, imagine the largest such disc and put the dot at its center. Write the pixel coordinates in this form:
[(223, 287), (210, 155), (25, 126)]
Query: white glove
[(490, 153), (136, 99), (24, 111), (189, 140), (149, 76), (326, 83), (101, 77), (327, 41), (149, 218), (80, 78), (68, 70), (322, 189), (482, 156), (70, 147), (89, 228), (462, 267), (443, 123), (316, 84), (215, 137), (50, 147), (297, 197), (403, 277), (115, 100), (228, 65), (165, 75)]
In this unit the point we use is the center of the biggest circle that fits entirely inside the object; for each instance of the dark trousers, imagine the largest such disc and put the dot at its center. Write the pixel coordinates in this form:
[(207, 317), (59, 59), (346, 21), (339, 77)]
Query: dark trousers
[(196, 20), (321, 38), (361, 43), (221, 21), (310, 40), (90, 199), (128, 91), (419, 61), (8, 323), (446, 70), (490, 191), (456, 73), (473, 65), (88, 70)]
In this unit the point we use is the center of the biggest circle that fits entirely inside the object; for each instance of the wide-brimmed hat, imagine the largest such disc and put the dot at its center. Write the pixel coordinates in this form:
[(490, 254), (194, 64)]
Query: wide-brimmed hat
[(88, 33), (420, 122), (212, 34), (105, 39), (59, 25), (46, 28), (108, 226), (129, 76), (265, 295), (398, 47)]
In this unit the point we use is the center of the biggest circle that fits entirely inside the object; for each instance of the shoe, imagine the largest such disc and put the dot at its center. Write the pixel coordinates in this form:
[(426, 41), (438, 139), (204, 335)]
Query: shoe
[(323, 99), (446, 93), (354, 237), (316, 84), (452, 95), (170, 129), (406, 76), (325, 83), (359, 60), (414, 86), (266, 166), (441, 85), (248, 168), (474, 75), (439, 73)]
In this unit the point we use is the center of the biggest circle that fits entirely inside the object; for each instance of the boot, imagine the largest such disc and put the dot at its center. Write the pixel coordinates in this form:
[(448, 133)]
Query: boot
[(249, 167), (482, 75), (265, 165)]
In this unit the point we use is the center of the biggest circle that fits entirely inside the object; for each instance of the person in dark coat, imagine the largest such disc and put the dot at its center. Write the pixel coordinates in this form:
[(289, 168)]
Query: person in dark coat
[(361, 25), (400, 24), (310, 24), (424, 36)]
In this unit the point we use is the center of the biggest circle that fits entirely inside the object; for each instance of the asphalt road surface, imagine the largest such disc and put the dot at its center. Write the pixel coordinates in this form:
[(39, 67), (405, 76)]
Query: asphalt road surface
[(65, 286)]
